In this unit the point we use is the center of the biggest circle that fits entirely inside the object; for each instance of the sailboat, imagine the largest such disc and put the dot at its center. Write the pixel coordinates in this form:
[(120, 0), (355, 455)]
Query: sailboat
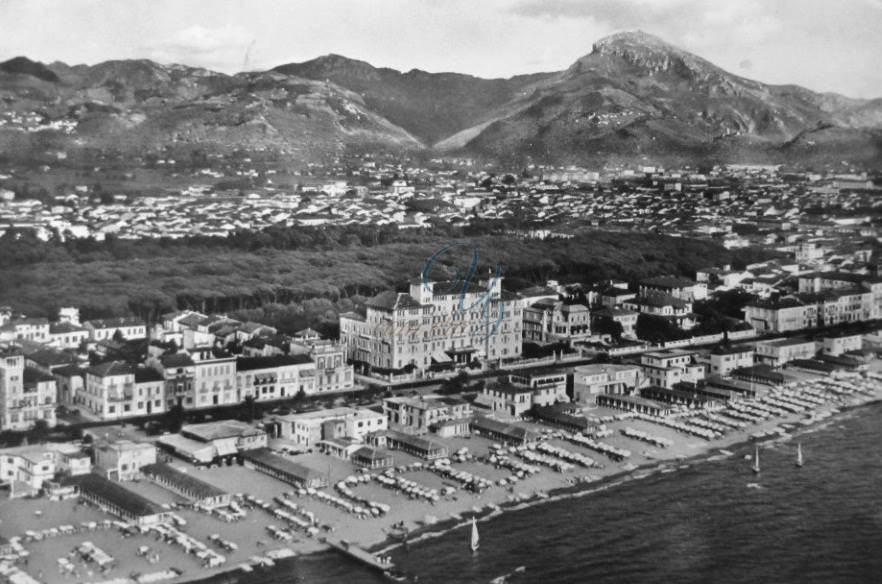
[(756, 466), (474, 535), (799, 455)]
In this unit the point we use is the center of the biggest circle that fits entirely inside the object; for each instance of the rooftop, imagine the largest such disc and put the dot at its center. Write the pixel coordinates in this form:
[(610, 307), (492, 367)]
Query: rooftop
[(116, 494), (197, 487), (271, 362), (110, 369), (218, 430)]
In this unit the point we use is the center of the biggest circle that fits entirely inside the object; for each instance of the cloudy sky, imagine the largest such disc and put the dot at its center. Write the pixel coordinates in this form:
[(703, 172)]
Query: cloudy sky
[(826, 45)]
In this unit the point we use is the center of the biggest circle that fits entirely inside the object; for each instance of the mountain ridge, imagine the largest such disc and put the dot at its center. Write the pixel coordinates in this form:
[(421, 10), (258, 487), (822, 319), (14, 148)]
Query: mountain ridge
[(633, 95)]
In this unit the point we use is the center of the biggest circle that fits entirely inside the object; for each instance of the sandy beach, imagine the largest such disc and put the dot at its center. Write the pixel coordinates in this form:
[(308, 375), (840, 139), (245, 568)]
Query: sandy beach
[(419, 517)]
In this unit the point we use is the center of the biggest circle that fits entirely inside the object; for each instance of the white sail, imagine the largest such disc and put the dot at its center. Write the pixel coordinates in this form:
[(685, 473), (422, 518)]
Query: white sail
[(474, 535), (756, 464), (799, 455)]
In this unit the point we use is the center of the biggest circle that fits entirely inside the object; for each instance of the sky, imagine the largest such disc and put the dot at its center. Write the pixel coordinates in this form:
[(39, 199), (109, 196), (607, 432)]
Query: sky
[(824, 45)]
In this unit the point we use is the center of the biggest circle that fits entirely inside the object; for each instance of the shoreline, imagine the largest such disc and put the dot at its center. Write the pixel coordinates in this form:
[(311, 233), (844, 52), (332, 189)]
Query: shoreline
[(647, 469)]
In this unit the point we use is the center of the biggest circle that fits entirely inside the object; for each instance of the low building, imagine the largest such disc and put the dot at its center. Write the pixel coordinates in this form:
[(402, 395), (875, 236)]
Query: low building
[(196, 490), (308, 428), (332, 372), (723, 360), (503, 432), (552, 321), (675, 310), (110, 390), (594, 379), (27, 329), (276, 377), (626, 318), (417, 415), (681, 288), (780, 315), (667, 367), (684, 394), (190, 450), (562, 418), (507, 400), (633, 403), (227, 438), (129, 327), (67, 335), (26, 395), (839, 344), (418, 446), (372, 458), (29, 467), (780, 351), (118, 500), (283, 469), (70, 382), (548, 386), (123, 460)]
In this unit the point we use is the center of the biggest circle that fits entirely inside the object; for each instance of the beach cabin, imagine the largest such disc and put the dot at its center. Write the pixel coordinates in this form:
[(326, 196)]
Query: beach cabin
[(118, 500), (416, 445), (263, 460), (372, 458), (634, 404), (502, 432), (185, 484)]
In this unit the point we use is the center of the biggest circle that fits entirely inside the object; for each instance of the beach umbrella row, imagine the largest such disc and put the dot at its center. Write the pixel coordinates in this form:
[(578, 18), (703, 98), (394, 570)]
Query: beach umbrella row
[(408, 487), (469, 481), (608, 450), (686, 428), (517, 467), (646, 437), (701, 422), (549, 461), (567, 455), (373, 508)]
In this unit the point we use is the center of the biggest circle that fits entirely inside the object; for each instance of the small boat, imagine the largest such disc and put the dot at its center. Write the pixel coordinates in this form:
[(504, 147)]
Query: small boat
[(474, 542), (756, 463), (799, 455)]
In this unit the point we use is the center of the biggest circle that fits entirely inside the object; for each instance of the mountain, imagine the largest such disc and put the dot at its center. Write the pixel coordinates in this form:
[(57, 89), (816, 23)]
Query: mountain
[(633, 97), (636, 96), (138, 104), (431, 106), (24, 66)]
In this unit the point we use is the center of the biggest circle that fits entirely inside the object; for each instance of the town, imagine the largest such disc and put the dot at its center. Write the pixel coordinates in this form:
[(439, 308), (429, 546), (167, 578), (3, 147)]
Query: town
[(219, 194), (148, 449)]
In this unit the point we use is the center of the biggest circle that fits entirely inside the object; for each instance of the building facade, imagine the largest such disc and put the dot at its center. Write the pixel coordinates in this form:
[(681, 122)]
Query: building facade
[(26, 395), (430, 327)]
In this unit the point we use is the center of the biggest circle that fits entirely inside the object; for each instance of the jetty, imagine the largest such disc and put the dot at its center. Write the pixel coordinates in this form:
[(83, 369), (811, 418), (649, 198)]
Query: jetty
[(360, 555)]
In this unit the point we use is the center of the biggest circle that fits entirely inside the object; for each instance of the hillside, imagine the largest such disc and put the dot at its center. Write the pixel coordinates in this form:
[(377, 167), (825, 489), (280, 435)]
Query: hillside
[(633, 97), (431, 106), (636, 96), (140, 104)]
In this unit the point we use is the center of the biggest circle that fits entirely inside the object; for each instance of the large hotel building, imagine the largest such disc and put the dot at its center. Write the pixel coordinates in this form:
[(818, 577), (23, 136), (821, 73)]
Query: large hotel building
[(425, 328)]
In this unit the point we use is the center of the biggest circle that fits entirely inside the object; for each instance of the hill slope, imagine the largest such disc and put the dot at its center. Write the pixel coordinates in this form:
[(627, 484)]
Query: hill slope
[(133, 105), (431, 106), (636, 96), (633, 97)]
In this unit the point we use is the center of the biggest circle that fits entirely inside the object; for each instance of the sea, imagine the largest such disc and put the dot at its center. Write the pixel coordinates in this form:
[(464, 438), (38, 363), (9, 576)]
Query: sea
[(708, 521)]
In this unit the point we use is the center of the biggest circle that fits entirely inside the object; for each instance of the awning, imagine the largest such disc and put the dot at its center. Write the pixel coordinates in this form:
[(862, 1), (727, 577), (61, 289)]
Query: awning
[(461, 351), (441, 357), (225, 448)]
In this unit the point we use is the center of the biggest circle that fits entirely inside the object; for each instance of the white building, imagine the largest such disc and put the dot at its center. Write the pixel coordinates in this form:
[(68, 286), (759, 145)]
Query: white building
[(308, 428), (401, 332)]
